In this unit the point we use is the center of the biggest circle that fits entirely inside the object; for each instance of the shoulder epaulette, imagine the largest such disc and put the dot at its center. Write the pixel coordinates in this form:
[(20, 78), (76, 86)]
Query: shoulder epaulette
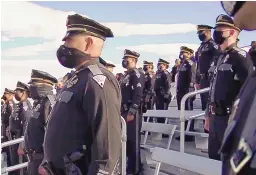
[(240, 51), (137, 72)]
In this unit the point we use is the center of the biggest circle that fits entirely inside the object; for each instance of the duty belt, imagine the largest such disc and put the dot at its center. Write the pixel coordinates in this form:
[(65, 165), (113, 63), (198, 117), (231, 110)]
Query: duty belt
[(244, 154), (218, 109)]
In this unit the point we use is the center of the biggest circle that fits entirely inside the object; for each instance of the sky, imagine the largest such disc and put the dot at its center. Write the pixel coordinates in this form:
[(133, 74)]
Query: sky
[(31, 32)]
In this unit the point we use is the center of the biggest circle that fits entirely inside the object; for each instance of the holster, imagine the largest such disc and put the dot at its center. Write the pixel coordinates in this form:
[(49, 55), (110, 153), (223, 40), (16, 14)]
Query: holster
[(219, 109)]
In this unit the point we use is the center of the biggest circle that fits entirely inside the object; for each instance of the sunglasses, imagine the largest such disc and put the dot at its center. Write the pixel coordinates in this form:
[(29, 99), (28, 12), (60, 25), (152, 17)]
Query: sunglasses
[(232, 7)]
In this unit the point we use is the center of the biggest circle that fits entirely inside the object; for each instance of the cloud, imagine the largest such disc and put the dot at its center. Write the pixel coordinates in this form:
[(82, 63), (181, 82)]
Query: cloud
[(20, 70), (29, 20), (5, 38), (169, 52)]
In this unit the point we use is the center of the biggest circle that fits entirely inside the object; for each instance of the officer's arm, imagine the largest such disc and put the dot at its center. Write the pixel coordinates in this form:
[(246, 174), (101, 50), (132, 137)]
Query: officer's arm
[(167, 84), (193, 73), (103, 123), (47, 110), (244, 66)]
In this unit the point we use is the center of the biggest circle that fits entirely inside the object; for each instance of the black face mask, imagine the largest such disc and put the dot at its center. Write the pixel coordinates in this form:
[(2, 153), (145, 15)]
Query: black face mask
[(70, 57), (201, 36), (218, 37), (39, 91), (18, 98), (125, 64), (145, 69)]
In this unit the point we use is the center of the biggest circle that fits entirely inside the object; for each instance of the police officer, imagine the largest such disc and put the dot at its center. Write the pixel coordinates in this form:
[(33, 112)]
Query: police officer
[(207, 51), (162, 87), (186, 77), (232, 69), (252, 52), (238, 146), (132, 92), (6, 111), (41, 91), (148, 94), (18, 119), (185, 83), (83, 135)]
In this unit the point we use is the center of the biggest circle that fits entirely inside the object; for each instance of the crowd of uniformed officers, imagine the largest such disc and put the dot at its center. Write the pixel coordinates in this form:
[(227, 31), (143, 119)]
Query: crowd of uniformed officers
[(78, 129)]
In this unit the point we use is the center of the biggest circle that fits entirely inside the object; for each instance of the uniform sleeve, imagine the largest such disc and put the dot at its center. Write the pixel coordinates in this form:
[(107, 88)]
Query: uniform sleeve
[(193, 73), (47, 110), (102, 103), (138, 82), (244, 66), (168, 81)]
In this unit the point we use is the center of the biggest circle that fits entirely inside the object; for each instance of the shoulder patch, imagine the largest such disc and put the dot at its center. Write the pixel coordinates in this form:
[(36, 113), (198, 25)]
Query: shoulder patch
[(100, 79), (137, 73), (95, 70), (240, 51)]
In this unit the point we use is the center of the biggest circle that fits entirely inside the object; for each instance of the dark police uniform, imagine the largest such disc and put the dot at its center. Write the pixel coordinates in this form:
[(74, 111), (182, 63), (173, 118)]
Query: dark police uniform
[(148, 93), (132, 87), (186, 76), (205, 54), (162, 89), (6, 111), (252, 53), (232, 69), (83, 135), (18, 120), (238, 146), (35, 128)]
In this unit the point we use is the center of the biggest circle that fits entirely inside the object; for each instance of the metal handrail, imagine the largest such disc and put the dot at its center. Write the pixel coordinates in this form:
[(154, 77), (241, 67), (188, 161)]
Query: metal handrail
[(25, 164), (15, 167), (12, 142), (124, 139), (182, 116)]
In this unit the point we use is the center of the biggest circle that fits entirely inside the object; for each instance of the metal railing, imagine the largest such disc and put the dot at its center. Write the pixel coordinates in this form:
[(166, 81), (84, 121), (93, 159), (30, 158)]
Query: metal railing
[(25, 164), (182, 116), (15, 167), (124, 140)]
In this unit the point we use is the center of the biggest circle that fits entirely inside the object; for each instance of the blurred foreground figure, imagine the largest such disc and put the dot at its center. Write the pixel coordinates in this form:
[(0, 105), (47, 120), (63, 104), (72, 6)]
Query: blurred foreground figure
[(238, 146)]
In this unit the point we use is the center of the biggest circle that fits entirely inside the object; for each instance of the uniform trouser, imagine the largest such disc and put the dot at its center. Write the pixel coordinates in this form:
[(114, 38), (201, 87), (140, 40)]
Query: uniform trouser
[(188, 105), (13, 151), (189, 101), (34, 163), (218, 125), (204, 96), (133, 143), (161, 105)]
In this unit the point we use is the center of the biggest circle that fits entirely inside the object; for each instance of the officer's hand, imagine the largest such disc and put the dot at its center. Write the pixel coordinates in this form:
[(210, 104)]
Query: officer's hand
[(197, 86), (20, 151), (42, 171), (207, 123), (130, 117)]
